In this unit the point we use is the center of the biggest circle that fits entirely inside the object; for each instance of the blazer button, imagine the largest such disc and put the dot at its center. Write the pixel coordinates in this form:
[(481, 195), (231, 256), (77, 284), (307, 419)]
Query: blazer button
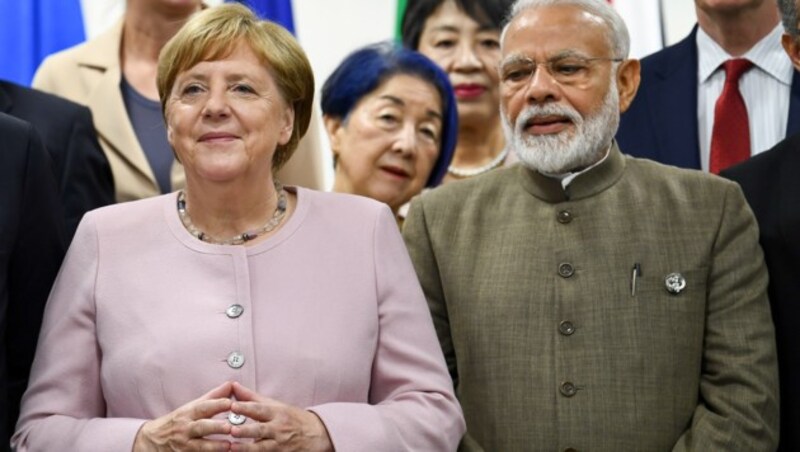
[(570, 449), (236, 419), (566, 328), (564, 216), (565, 270), (568, 389), (234, 311), (235, 360)]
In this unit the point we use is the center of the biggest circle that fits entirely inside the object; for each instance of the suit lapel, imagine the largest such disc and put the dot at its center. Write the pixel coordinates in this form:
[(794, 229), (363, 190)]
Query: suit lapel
[(793, 126), (789, 192), (673, 105), (101, 65)]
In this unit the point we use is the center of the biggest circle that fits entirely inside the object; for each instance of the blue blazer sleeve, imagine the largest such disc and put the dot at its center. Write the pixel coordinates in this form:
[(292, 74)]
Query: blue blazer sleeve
[(661, 123)]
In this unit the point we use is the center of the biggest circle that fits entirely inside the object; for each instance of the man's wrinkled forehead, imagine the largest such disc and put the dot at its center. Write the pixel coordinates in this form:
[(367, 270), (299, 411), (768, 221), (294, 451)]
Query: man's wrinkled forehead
[(554, 29)]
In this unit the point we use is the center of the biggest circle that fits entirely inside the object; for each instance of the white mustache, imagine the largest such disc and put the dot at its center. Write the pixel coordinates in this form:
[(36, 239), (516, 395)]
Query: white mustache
[(536, 111)]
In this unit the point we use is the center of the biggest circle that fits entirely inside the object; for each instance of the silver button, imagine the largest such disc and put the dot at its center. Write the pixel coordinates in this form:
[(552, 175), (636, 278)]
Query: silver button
[(236, 419), (675, 283), (236, 360), (234, 311)]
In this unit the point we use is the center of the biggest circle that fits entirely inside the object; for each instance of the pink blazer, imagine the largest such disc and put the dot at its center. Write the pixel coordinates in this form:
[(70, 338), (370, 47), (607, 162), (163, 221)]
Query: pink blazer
[(333, 320)]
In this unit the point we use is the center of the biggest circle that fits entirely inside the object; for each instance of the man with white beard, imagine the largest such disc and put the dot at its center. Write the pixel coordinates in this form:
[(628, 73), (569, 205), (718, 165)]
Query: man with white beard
[(586, 300)]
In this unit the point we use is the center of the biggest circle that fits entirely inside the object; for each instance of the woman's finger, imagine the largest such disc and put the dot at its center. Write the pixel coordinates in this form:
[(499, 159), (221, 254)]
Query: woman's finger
[(244, 393), (206, 427), (255, 430), (266, 445), (224, 390), (208, 445), (204, 409), (257, 411)]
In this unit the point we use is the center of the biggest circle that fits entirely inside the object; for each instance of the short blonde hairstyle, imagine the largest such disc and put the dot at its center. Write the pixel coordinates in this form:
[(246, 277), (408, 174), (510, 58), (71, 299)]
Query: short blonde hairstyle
[(215, 32)]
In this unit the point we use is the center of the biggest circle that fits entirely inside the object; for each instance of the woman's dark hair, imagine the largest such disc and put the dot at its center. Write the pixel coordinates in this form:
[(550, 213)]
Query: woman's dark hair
[(364, 70), (488, 13)]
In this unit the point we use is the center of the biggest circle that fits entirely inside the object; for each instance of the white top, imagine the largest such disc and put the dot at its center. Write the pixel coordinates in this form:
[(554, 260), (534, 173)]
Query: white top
[(765, 88)]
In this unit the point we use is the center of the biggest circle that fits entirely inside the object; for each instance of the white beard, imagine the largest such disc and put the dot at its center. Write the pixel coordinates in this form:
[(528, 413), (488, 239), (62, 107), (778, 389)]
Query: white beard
[(568, 150)]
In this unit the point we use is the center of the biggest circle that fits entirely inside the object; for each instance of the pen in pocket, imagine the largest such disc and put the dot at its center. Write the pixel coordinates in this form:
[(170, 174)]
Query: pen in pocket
[(636, 272)]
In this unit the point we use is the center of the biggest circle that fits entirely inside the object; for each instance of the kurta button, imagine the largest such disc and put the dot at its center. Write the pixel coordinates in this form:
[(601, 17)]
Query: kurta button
[(568, 389), (565, 270), (236, 360), (564, 216), (234, 311), (566, 328)]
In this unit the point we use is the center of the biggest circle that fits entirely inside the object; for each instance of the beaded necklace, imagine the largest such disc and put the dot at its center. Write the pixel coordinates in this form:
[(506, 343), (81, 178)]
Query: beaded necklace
[(246, 236), (469, 172)]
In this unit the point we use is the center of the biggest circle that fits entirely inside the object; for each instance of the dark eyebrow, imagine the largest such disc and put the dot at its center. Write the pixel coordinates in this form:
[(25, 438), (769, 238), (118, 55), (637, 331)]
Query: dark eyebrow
[(450, 28), (399, 102), (454, 29)]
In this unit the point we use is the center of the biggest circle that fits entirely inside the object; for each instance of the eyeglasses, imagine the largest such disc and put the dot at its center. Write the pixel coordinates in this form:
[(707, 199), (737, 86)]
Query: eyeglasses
[(566, 70)]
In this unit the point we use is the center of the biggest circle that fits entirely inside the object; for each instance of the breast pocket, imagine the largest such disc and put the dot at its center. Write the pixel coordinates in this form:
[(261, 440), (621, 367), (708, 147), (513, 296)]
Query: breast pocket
[(671, 305)]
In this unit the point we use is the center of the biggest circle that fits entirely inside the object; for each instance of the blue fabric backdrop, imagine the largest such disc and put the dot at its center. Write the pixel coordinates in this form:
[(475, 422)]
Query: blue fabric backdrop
[(30, 30), (279, 11)]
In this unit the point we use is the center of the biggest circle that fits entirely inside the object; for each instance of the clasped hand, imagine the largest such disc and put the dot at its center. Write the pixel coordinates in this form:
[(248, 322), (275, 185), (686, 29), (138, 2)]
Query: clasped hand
[(273, 426)]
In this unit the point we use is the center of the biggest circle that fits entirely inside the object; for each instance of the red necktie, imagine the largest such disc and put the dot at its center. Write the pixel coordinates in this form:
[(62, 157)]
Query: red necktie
[(730, 138)]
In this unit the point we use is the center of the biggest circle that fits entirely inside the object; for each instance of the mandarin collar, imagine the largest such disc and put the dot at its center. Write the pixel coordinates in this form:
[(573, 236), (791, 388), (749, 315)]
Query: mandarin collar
[(589, 183)]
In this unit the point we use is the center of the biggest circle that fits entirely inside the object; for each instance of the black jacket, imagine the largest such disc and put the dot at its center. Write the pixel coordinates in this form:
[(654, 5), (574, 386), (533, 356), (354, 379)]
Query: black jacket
[(771, 184), (82, 170), (31, 249)]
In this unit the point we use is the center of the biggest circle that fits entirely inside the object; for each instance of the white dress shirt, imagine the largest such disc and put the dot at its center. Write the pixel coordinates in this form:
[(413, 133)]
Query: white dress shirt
[(765, 88)]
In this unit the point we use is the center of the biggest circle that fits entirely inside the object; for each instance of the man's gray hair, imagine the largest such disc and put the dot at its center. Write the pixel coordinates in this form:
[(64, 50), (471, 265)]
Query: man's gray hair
[(789, 16), (618, 38)]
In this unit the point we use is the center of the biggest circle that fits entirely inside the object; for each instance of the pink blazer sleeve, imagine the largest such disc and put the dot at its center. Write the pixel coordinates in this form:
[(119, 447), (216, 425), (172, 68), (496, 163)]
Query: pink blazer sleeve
[(412, 404), (64, 408)]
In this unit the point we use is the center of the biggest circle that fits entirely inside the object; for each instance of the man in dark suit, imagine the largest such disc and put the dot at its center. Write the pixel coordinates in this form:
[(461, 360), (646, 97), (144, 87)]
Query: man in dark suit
[(772, 189), (669, 120), (31, 249), (82, 170)]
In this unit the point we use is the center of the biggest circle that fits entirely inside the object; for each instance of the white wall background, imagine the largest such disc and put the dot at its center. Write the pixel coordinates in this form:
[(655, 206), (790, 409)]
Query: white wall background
[(679, 18)]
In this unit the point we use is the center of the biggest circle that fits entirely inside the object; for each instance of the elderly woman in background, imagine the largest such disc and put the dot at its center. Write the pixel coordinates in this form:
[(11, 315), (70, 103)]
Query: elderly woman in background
[(391, 118), (238, 314), (463, 37)]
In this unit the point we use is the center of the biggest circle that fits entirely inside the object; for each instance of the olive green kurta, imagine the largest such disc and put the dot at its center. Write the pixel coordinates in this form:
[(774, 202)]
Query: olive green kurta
[(530, 291)]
